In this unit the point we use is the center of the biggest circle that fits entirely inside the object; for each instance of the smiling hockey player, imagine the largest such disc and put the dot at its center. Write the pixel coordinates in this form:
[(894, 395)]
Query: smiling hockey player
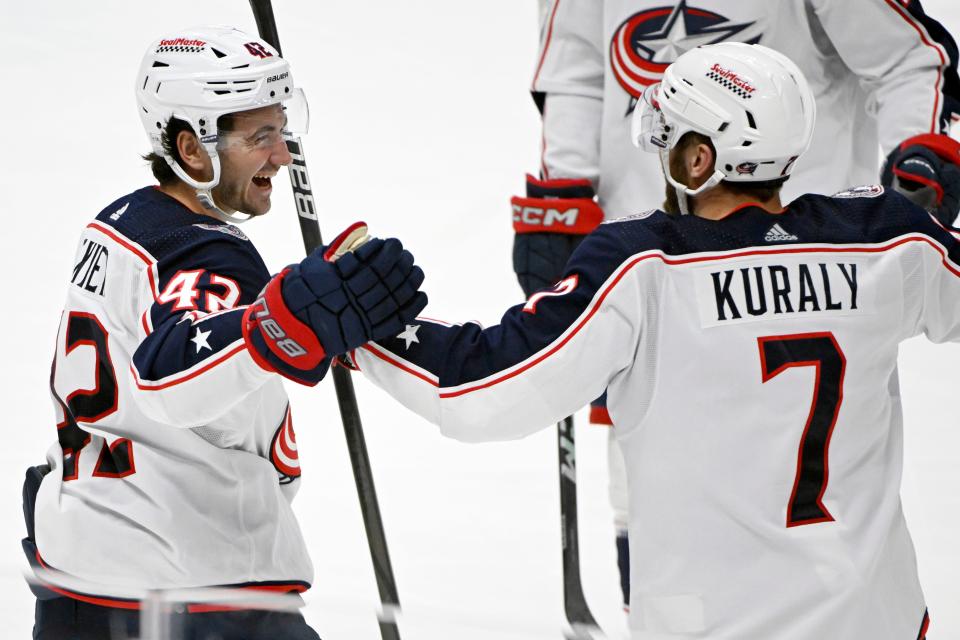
[(176, 459)]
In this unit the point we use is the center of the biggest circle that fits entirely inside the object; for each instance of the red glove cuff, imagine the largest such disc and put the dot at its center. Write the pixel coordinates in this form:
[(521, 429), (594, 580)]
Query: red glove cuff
[(944, 146), (552, 215), (933, 184), (290, 340), (564, 205)]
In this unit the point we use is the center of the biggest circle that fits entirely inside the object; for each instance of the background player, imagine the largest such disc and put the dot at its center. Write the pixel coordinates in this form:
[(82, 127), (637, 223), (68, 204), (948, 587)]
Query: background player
[(596, 59), (176, 459), (712, 332)]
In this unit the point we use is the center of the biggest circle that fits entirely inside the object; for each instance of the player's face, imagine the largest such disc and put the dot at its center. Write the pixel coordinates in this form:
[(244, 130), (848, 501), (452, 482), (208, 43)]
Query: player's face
[(251, 154)]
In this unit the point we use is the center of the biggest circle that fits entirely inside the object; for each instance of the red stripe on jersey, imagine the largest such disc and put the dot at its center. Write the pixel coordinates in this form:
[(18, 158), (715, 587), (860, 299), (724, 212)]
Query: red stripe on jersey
[(134, 605), (134, 248), (544, 170), (924, 626), (546, 44), (115, 603), (372, 348), (126, 242), (523, 366), (953, 232), (440, 322), (151, 386), (924, 37), (99, 601)]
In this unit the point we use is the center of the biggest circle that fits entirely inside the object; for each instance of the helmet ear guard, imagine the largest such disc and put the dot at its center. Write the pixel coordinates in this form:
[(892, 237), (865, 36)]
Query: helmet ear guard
[(202, 74), (752, 102)]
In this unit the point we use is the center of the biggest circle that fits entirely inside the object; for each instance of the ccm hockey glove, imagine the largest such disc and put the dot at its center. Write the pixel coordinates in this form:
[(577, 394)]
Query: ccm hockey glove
[(549, 224), (926, 169), (335, 300)]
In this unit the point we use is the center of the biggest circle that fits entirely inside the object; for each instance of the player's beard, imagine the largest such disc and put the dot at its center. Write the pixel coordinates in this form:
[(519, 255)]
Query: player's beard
[(671, 202), (234, 195), (236, 191)]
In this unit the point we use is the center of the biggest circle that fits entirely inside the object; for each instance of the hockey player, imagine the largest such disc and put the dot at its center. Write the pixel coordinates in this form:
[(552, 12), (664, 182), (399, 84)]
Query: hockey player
[(750, 356), (882, 72), (176, 460)]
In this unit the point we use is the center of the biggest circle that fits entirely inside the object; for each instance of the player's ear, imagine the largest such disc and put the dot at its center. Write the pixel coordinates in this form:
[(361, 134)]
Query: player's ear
[(193, 156), (700, 161)]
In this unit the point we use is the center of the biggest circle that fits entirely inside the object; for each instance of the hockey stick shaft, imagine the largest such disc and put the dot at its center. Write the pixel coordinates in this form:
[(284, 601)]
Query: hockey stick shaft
[(574, 603), (343, 384)]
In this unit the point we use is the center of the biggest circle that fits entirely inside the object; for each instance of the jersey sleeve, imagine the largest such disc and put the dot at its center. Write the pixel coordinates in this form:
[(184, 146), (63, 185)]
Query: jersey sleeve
[(908, 62), (192, 364), (544, 361), (940, 318), (568, 88)]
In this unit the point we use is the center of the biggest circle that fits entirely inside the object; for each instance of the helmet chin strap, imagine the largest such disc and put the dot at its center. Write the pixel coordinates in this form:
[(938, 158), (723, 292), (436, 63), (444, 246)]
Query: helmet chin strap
[(205, 189), (205, 196), (683, 191)]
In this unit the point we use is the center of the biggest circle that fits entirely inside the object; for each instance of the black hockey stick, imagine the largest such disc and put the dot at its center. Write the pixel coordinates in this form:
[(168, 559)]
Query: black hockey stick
[(346, 398), (575, 606)]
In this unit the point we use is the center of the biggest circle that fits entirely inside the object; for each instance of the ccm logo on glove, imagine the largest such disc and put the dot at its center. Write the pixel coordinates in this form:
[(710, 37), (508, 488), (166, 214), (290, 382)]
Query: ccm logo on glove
[(544, 217), (570, 216), (556, 206)]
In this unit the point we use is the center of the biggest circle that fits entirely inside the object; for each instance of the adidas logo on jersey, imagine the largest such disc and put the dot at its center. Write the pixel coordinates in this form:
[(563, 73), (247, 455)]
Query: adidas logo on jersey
[(778, 234)]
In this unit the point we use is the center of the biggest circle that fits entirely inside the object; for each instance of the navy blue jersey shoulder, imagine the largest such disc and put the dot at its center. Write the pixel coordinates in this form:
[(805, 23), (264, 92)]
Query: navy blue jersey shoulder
[(462, 354), (203, 265), (181, 240), (865, 215)]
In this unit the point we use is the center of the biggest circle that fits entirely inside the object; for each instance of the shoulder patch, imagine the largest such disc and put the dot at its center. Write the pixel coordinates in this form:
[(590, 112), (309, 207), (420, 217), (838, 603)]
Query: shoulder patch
[(119, 212), (633, 216), (866, 191), (228, 229)]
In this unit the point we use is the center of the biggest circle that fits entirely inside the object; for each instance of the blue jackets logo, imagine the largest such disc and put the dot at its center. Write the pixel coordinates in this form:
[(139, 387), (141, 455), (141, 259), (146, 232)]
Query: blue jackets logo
[(647, 42)]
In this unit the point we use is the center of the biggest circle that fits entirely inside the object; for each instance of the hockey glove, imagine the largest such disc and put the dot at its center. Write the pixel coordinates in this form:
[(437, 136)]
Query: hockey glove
[(332, 302), (549, 224), (926, 169)]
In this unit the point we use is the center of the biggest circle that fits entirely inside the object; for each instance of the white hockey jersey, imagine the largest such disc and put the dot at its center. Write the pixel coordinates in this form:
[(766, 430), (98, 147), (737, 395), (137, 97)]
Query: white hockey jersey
[(751, 369), (881, 71), (176, 458)]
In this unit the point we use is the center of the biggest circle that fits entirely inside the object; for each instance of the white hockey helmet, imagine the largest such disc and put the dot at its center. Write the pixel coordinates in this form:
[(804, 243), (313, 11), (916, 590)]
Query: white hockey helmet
[(202, 73), (752, 102)]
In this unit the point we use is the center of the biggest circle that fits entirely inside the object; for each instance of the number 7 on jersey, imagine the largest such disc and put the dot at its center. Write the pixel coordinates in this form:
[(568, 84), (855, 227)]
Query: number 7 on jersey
[(819, 350)]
